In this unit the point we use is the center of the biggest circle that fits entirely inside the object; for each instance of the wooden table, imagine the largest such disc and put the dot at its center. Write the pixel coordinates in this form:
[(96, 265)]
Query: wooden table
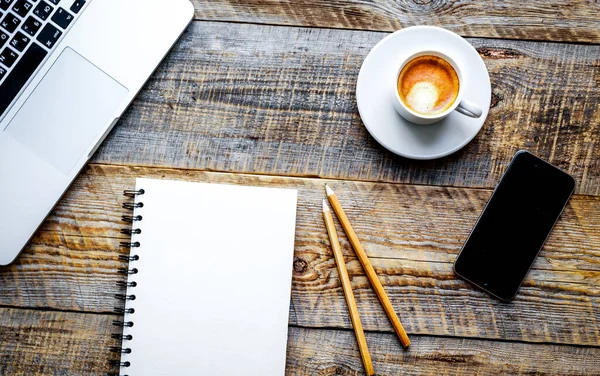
[(262, 93)]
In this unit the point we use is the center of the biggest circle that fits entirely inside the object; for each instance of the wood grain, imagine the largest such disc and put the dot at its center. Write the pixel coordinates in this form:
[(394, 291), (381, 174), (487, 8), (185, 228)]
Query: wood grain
[(280, 101), (66, 343), (330, 352), (512, 19), (56, 343), (411, 234)]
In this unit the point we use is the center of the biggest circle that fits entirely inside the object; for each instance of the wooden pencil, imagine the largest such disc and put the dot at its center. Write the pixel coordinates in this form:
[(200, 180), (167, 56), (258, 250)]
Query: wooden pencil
[(366, 264), (348, 294)]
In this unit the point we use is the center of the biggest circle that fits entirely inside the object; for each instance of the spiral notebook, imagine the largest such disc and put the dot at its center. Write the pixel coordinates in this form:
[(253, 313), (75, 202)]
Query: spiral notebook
[(209, 279)]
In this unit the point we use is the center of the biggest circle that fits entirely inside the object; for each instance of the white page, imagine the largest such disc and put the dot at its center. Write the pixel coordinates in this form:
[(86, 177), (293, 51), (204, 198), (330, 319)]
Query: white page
[(214, 280)]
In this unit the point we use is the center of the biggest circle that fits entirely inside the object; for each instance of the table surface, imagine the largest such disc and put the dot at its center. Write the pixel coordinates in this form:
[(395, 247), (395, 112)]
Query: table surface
[(262, 93)]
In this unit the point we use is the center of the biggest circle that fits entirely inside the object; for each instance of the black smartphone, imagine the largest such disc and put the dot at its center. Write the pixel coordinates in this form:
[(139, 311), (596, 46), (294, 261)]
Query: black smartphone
[(514, 225)]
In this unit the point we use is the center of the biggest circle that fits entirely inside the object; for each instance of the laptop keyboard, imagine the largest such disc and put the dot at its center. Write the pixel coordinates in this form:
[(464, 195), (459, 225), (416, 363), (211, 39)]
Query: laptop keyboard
[(29, 30)]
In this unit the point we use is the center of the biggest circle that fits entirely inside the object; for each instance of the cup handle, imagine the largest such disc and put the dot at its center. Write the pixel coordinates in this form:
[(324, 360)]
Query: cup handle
[(469, 108)]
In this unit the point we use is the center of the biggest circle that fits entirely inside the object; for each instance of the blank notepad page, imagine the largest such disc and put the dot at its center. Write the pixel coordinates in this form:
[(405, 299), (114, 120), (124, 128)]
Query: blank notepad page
[(213, 280)]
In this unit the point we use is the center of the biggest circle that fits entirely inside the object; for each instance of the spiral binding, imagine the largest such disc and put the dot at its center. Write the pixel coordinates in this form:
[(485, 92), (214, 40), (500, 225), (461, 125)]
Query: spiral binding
[(128, 324), (126, 284), (130, 244), (123, 311), (121, 337), (131, 219), (124, 297), (129, 258), (128, 271), (120, 350), (128, 231), (133, 205)]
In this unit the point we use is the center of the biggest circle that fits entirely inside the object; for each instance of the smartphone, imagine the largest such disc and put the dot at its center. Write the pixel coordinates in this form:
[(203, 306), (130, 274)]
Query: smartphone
[(514, 225)]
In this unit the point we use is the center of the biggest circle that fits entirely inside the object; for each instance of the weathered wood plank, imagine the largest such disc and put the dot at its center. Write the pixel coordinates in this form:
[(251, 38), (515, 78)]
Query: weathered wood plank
[(35, 342), (513, 19), (334, 352), (411, 233), (280, 100), (67, 343)]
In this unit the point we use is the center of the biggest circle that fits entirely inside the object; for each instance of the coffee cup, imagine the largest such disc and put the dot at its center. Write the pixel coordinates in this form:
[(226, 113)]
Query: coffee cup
[(428, 86)]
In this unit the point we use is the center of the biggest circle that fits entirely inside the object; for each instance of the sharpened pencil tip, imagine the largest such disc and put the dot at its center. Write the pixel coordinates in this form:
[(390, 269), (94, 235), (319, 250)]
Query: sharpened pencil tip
[(329, 190), (325, 206)]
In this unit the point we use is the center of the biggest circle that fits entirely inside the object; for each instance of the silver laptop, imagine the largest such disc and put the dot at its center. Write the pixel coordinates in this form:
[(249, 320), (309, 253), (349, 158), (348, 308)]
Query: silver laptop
[(68, 70)]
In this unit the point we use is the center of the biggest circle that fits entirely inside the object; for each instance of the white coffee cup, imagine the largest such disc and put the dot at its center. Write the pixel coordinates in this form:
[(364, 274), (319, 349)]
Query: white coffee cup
[(461, 105)]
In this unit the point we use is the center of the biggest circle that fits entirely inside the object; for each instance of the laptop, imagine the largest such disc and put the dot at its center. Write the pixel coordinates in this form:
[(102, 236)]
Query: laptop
[(68, 70)]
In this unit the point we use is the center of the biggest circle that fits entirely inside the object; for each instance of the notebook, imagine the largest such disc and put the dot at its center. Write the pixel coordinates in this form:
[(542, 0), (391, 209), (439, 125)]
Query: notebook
[(209, 279)]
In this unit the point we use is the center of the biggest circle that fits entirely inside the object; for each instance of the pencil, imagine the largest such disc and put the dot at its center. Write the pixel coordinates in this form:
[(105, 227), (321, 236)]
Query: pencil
[(348, 294), (366, 264)]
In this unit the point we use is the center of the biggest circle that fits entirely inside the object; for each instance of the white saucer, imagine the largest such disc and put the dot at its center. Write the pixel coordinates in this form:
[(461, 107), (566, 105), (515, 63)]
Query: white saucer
[(374, 93)]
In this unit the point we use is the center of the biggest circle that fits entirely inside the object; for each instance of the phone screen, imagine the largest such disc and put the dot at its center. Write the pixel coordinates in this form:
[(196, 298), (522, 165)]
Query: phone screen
[(514, 225)]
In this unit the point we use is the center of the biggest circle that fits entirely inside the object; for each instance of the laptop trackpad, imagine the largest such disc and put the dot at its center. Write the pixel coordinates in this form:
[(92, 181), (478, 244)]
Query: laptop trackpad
[(70, 107)]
